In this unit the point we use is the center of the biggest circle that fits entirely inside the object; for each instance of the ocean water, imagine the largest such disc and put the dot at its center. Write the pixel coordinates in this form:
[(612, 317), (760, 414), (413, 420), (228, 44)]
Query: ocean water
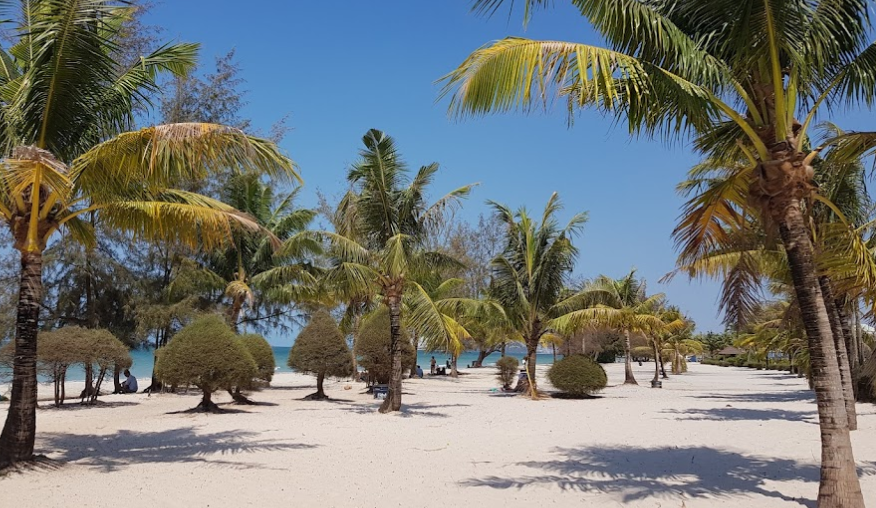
[(144, 359)]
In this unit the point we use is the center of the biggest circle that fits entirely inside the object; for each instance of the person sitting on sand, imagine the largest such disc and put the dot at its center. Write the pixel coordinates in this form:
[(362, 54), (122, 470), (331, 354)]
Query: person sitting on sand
[(419, 372), (434, 363), (130, 383)]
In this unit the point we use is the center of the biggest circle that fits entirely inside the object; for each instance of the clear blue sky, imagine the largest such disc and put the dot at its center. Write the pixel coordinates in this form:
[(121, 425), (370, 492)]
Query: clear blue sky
[(339, 68)]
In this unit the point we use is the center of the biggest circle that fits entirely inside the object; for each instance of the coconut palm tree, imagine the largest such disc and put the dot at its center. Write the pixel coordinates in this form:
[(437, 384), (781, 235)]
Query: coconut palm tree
[(746, 78), (250, 265), (618, 304), (530, 275), (378, 251), (67, 160), (744, 255)]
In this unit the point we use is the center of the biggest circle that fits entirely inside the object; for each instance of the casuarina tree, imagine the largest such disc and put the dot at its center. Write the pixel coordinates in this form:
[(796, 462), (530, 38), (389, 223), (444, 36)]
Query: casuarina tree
[(321, 349), (207, 354)]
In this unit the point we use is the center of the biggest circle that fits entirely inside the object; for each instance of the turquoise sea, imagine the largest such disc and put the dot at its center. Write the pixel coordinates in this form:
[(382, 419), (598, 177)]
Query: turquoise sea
[(143, 360)]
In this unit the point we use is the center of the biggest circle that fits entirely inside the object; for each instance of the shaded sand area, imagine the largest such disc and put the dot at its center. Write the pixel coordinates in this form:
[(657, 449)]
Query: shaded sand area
[(712, 437)]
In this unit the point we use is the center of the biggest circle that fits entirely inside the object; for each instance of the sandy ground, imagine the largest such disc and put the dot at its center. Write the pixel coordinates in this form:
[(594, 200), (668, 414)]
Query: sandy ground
[(712, 437)]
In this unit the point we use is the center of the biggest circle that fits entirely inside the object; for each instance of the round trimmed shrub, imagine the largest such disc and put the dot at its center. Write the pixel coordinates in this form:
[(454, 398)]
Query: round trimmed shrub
[(262, 354), (507, 366), (577, 375), (206, 354), (321, 349), (372, 347)]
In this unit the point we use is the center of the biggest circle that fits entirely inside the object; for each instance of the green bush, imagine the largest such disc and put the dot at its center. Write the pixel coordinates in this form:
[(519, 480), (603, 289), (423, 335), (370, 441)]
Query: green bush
[(724, 363), (507, 366), (321, 349), (739, 361), (372, 347), (262, 354), (206, 354), (97, 350), (577, 375)]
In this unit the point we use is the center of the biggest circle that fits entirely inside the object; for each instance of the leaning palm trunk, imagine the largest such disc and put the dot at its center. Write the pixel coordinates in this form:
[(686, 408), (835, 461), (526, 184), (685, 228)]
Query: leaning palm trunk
[(19, 432), (394, 397), (839, 486), (629, 379), (851, 341), (656, 366), (841, 352)]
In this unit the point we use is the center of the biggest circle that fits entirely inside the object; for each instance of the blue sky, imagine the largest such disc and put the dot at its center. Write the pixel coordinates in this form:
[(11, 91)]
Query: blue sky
[(339, 68)]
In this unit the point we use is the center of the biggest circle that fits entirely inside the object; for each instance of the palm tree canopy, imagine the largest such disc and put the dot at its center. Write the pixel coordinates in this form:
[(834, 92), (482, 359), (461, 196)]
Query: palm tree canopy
[(675, 66), (379, 247), (620, 304), (66, 104), (531, 273)]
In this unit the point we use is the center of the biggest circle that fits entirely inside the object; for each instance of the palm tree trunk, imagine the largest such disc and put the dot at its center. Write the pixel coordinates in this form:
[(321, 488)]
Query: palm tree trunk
[(839, 486), (841, 352), (415, 341), (454, 371), (629, 378), (356, 321), (394, 397), (234, 312), (19, 431), (859, 334), (842, 307), (656, 366)]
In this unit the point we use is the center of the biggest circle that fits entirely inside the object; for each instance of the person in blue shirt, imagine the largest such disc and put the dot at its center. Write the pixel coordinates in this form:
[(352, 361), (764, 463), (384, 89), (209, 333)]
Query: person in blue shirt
[(130, 383), (419, 372)]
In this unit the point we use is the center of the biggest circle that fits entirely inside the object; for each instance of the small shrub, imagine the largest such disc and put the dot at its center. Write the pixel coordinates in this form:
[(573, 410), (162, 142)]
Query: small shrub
[(577, 375), (507, 366), (372, 347), (207, 354), (322, 350), (262, 354)]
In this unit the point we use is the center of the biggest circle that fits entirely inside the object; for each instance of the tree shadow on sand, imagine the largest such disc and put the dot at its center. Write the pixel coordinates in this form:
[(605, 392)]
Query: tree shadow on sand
[(115, 451), (767, 398), (739, 414), (634, 474)]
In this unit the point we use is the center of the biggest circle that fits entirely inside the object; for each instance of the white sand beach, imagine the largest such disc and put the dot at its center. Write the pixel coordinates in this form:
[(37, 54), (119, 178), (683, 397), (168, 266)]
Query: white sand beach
[(712, 437)]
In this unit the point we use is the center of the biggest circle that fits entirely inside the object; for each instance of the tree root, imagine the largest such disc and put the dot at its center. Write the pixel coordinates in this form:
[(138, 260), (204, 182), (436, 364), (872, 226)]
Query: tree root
[(209, 407), (317, 396), (242, 400)]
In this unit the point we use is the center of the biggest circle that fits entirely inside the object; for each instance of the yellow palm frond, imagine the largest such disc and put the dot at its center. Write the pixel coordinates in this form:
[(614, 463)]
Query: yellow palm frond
[(169, 155), (198, 222)]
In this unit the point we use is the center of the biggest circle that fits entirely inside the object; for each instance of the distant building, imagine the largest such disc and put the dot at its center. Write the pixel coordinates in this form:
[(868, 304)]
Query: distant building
[(730, 351)]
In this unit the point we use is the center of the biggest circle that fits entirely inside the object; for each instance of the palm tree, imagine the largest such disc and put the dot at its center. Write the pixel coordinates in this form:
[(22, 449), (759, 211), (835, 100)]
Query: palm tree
[(738, 249), (378, 251), (619, 304), (65, 103), (747, 78), (531, 273), (250, 265)]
